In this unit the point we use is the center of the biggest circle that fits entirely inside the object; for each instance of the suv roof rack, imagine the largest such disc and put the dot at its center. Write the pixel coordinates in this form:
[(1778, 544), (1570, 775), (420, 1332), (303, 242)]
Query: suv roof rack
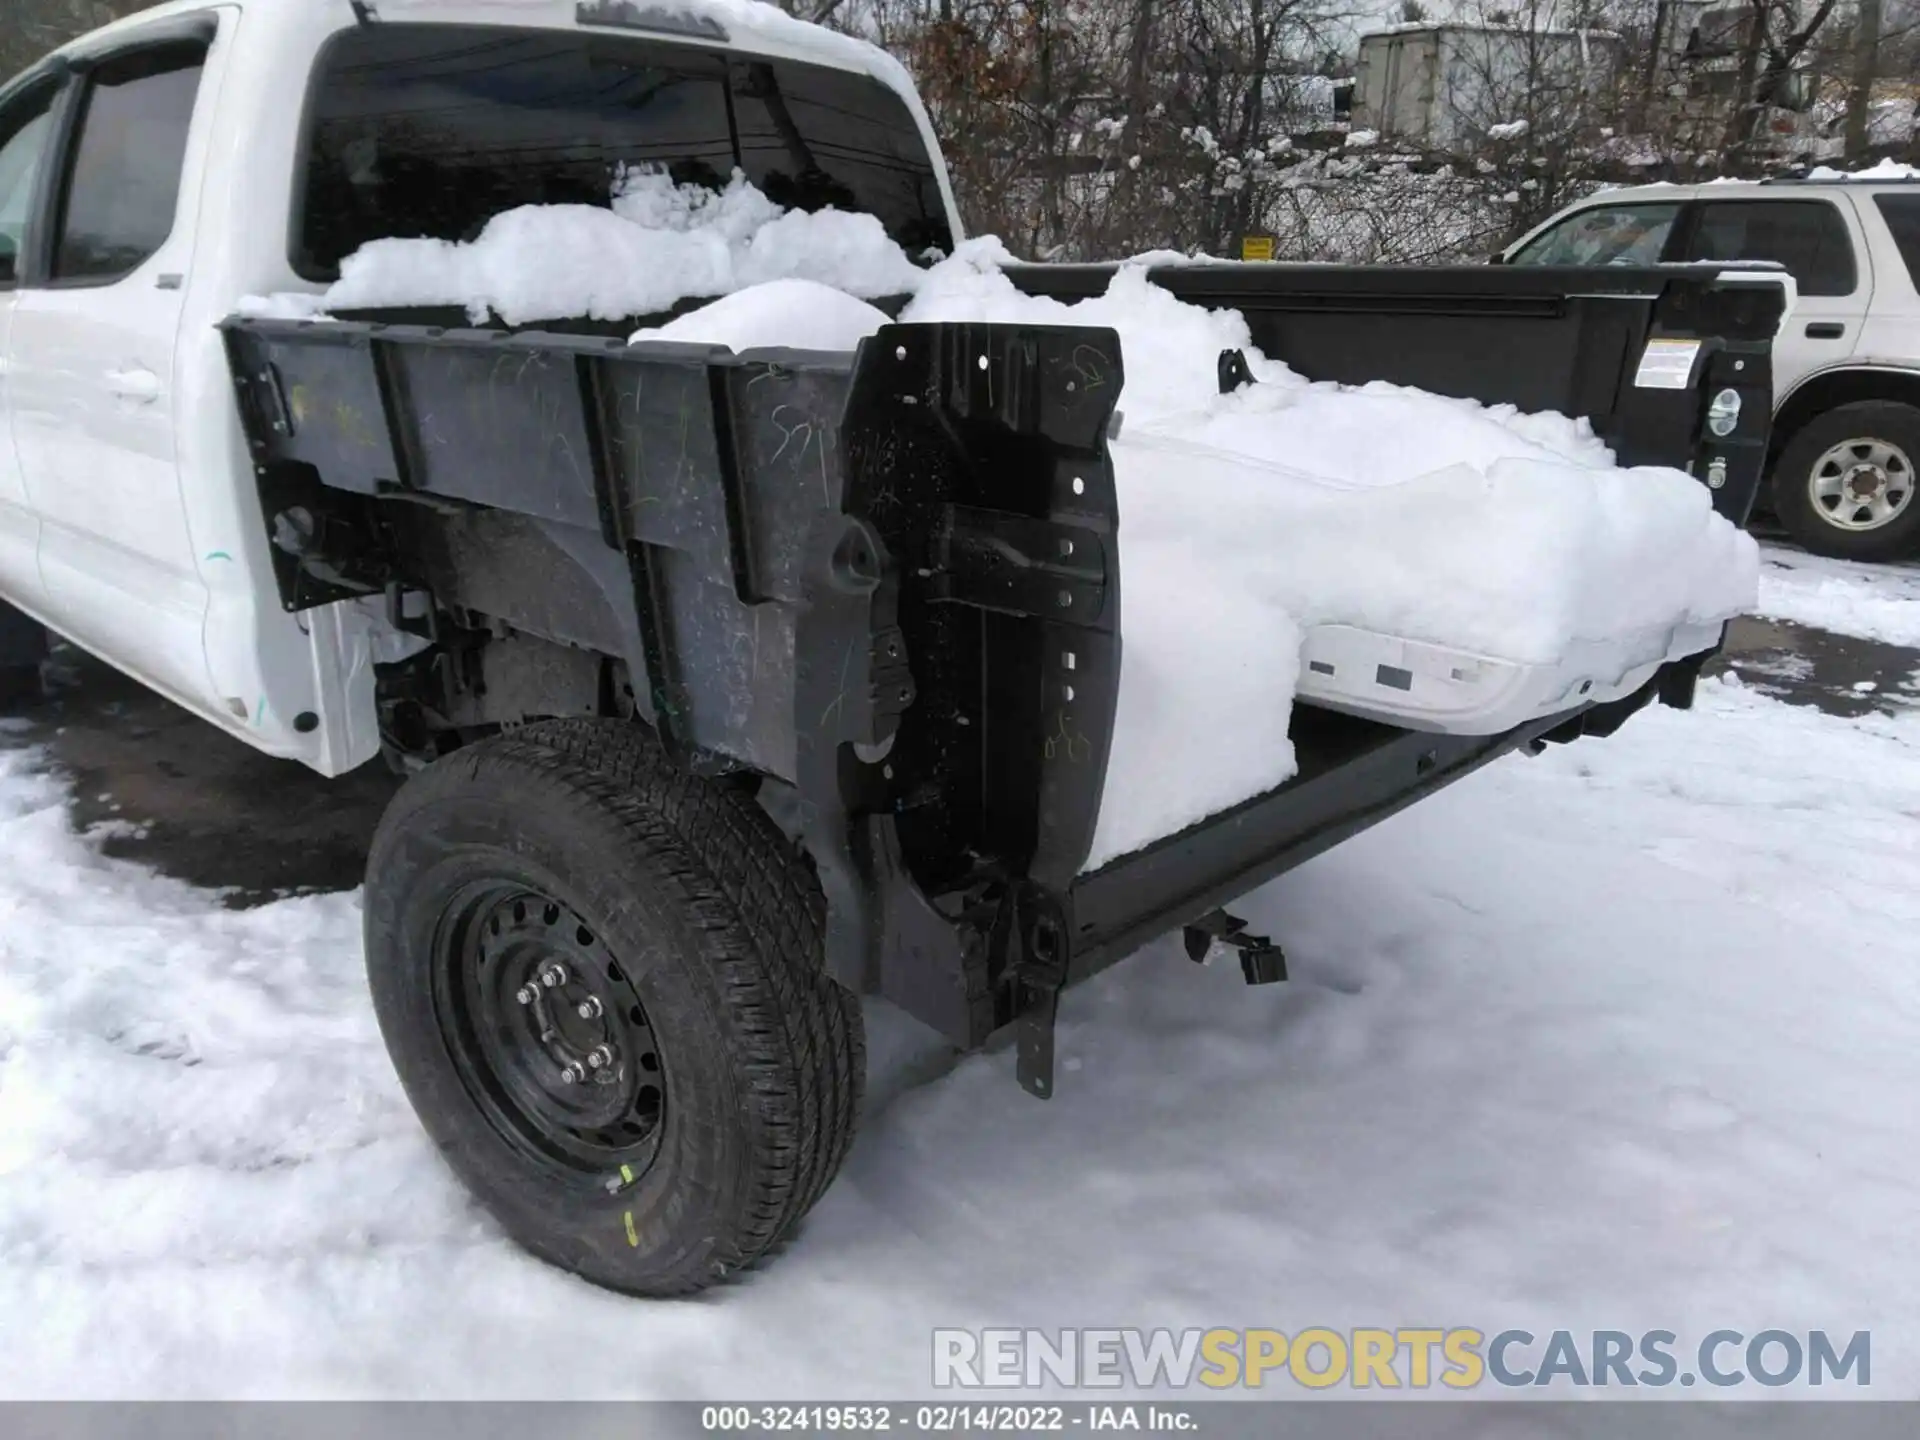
[(1803, 177)]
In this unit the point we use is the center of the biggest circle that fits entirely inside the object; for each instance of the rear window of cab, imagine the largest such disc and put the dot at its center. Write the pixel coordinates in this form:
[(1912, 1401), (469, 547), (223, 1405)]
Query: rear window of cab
[(429, 131)]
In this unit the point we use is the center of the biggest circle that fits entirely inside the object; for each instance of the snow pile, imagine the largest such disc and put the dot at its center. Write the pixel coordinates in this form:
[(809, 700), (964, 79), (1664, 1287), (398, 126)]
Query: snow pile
[(660, 244), (796, 314), (1244, 518), (1248, 517), (1873, 602)]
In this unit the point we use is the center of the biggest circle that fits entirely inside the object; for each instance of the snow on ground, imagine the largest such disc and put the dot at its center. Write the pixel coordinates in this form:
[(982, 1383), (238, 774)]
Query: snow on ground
[(1625, 1036), (1873, 602)]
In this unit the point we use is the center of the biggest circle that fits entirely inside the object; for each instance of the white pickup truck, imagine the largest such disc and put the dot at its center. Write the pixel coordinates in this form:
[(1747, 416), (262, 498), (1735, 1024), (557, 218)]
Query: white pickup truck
[(1846, 368), (729, 687)]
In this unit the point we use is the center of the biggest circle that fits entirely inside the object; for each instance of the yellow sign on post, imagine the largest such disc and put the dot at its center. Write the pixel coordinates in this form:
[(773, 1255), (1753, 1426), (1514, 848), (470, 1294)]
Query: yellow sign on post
[(1256, 247)]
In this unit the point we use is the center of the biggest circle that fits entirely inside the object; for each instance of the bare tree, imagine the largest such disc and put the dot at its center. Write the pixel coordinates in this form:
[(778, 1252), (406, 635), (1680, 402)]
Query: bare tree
[(1776, 34), (33, 27), (1866, 45)]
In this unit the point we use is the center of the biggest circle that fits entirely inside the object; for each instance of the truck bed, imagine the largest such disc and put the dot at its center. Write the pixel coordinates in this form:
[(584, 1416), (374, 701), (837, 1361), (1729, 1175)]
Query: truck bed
[(884, 586)]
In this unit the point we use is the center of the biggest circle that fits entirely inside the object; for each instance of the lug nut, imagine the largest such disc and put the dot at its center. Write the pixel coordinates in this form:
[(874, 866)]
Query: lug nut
[(572, 1075), (553, 976), (525, 994), (598, 1056), (589, 1008)]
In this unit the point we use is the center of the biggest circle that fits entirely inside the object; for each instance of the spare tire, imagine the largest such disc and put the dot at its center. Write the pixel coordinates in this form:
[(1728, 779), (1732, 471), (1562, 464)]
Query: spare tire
[(601, 981)]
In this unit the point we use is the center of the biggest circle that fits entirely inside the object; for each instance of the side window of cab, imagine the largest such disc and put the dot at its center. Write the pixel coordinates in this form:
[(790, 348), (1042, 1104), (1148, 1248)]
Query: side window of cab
[(26, 130), (122, 185)]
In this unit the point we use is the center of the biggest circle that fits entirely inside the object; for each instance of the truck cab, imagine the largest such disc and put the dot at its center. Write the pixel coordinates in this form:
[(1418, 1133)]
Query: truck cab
[(155, 173)]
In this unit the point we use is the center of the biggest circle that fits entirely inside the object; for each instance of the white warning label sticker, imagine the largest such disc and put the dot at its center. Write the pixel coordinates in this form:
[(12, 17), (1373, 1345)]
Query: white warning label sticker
[(1667, 365)]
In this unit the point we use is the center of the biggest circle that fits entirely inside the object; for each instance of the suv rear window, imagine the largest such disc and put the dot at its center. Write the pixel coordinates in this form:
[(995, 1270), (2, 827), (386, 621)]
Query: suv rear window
[(429, 131), (1808, 237), (1902, 214)]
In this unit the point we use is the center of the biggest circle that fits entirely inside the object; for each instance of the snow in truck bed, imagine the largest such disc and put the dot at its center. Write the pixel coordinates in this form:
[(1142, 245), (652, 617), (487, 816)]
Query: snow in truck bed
[(1245, 519)]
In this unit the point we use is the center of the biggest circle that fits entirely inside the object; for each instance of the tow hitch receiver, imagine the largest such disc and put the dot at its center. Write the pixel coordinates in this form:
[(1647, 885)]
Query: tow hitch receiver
[(1261, 961)]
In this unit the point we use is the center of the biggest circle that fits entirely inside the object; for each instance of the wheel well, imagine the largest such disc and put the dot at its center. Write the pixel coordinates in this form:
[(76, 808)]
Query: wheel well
[(1835, 388)]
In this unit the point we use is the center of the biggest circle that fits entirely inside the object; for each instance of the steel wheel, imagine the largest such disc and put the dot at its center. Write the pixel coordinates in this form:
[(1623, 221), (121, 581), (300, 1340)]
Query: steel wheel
[(548, 1034), (660, 1116), (1861, 484)]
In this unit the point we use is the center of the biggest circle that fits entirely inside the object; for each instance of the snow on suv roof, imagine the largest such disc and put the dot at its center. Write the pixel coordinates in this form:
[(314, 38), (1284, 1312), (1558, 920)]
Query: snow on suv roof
[(1887, 173)]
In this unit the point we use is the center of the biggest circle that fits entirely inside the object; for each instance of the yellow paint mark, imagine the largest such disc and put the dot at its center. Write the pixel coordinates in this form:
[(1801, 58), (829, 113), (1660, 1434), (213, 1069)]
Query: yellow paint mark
[(626, 1174), (633, 1236)]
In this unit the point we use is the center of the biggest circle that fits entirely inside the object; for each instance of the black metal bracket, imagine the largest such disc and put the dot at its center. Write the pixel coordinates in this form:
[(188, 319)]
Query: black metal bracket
[(1234, 371), (426, 625), (1038, 938), (1020, 565), (1261, 961)]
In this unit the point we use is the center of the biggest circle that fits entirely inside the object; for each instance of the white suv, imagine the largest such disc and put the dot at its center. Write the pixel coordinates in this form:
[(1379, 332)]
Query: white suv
[(1846, 366)]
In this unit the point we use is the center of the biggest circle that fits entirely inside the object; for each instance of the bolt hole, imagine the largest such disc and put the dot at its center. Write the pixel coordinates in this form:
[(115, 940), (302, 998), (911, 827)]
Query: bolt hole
[(1069, 692), (1066, 547), (1070, 660), (636, 1015), (551, 915), (1079, 485), (519, 912), (647, 1103), (901, 353), (1066, 599), (650, 1061), (613, 973), (583, 935), (983, 362)]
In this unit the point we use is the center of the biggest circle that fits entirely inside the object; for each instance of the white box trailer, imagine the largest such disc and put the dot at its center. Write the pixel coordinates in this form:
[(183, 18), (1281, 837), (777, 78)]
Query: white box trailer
[(1445, 86)]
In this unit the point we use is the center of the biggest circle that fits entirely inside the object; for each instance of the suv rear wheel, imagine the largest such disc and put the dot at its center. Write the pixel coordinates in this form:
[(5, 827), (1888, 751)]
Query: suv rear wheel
[(1844, 485)]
